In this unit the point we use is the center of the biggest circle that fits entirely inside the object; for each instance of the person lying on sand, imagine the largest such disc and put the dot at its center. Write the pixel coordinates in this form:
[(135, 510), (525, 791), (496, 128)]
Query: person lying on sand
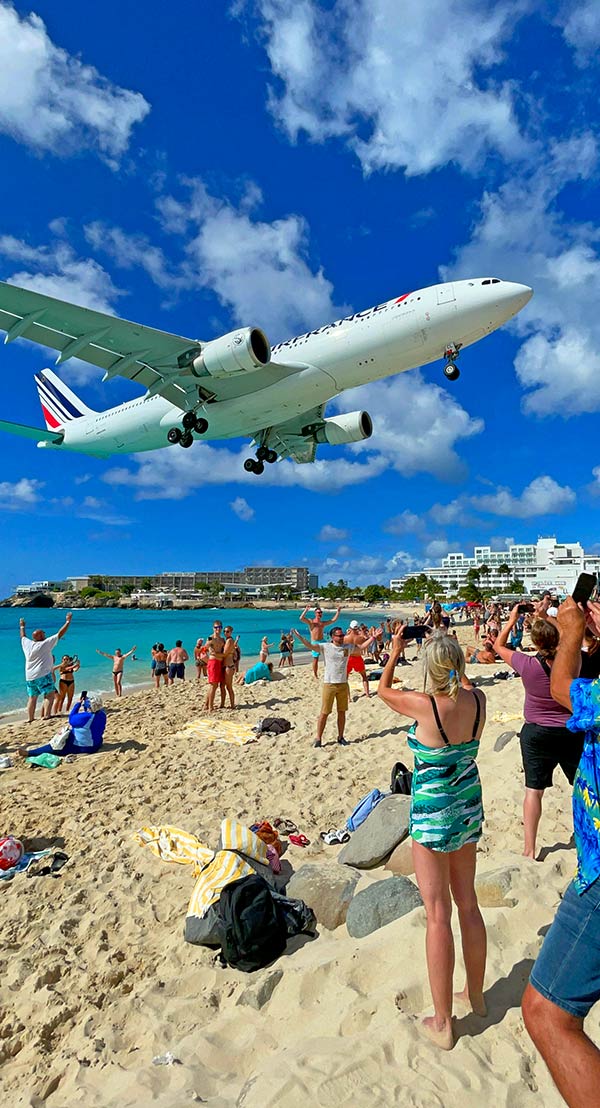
[(262, 671)]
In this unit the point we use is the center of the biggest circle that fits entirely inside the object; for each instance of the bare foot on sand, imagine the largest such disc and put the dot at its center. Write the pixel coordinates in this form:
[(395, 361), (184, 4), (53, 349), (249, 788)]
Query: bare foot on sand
[(440, 1032), (531, 855), (476, 1005), (21, 752)]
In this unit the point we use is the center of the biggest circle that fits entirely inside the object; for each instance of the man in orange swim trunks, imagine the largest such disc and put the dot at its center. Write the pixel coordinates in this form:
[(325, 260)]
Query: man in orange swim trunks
[(214, 664), (356, 663)]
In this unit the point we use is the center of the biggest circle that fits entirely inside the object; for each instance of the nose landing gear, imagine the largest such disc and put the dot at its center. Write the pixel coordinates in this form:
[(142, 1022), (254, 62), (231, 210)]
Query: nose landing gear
[(451, 370)]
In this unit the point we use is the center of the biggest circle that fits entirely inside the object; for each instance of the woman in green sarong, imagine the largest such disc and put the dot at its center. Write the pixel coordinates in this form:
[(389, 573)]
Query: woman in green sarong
[(446, 818)]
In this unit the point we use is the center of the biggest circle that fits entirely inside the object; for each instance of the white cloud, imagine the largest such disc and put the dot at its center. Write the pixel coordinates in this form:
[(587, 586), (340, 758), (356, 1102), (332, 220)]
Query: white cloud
[(436, 549), (209, 465), (133, 252), (523, 235), (581, 28), (332, 534), (406, 523), (52, 101), (410, 86), (364, 569), (543, 496), (416, 425), (259, 271), (242, 509), (501, 542), (24, 493)]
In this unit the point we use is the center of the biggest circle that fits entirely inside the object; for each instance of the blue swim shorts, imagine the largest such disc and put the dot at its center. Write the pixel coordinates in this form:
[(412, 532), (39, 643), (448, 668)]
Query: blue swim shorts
[(316, 653), (42, 686), (567, 970)]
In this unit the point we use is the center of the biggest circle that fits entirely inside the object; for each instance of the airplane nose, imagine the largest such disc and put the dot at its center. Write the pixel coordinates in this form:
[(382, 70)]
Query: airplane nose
[(518, 295)]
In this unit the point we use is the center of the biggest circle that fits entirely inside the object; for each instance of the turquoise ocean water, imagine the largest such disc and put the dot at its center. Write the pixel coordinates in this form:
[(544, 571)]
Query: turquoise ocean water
[(108, 628)]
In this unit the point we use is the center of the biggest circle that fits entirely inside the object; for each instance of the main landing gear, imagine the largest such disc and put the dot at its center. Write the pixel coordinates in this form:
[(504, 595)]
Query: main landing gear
[(191, 422), (263, 454), (451, 370)]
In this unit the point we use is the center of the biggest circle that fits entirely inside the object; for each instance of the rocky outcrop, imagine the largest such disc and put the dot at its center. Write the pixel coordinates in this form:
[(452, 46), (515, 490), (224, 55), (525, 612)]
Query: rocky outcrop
[(383, 829), (327, 888), (380, 904)]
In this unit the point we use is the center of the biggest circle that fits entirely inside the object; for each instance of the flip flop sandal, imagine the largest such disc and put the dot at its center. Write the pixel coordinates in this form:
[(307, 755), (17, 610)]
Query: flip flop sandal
[(330, 838), (51, 866), (299, 840), (285, 826)]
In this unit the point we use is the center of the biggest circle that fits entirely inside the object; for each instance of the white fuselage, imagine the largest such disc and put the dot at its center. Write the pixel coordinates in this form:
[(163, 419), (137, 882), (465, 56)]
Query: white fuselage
[(311, 369)]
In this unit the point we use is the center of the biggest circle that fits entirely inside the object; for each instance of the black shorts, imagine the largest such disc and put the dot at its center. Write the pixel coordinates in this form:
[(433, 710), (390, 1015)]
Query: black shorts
[(545, 748), (176, 669)]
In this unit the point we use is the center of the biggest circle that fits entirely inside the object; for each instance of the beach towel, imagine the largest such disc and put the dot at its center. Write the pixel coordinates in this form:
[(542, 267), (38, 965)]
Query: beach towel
[(505, 717), (213, 869), (217, 730), (23, 864)]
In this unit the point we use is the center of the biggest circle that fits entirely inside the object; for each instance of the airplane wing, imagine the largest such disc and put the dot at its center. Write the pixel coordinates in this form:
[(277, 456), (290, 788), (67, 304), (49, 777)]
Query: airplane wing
[(289, 442), (152, 358), (36, 433)]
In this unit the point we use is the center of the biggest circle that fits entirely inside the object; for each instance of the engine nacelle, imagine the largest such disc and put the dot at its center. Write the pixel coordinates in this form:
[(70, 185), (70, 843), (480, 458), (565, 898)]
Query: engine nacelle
[(240, 351), (341, 429)]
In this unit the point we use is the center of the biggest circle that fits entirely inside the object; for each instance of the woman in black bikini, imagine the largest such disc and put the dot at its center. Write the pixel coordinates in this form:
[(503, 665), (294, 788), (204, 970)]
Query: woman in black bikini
[(66, 682)]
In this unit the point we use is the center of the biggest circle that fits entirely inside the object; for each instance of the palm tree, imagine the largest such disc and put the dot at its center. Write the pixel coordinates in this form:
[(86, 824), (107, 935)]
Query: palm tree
[(484, 572), (505, 571)]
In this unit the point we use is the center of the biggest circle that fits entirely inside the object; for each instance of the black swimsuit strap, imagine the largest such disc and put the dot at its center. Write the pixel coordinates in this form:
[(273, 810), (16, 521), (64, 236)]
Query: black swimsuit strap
[(477, 715), (438, 721)]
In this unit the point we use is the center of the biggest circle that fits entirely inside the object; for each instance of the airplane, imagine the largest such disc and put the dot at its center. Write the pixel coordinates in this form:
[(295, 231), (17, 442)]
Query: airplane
[(237, 385)]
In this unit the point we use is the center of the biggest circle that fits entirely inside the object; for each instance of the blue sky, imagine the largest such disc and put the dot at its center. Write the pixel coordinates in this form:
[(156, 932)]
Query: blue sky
[(278, 163)]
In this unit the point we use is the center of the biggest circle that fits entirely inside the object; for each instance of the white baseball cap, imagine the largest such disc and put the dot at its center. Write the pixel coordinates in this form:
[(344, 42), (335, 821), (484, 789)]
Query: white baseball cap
[(354, 624)]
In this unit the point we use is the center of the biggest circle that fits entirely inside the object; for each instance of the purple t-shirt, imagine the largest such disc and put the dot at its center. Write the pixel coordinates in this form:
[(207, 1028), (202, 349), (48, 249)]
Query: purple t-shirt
[(539, 706)]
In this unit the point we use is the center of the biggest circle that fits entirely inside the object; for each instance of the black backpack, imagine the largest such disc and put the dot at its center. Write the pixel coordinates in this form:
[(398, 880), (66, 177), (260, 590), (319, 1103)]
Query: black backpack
[(401, 781), (252, 928), (274, 725)]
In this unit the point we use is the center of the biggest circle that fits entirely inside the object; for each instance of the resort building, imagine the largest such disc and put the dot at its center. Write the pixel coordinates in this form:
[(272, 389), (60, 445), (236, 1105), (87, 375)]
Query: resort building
[(546, 564), (251, 581)]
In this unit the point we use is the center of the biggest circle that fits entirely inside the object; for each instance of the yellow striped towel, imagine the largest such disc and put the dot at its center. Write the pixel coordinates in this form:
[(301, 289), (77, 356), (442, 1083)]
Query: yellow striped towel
[(236, 836), (217, 730), (215, 870)]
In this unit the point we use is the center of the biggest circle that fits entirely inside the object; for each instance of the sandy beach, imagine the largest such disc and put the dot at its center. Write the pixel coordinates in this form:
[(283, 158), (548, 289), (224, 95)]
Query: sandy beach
[(96, 979)]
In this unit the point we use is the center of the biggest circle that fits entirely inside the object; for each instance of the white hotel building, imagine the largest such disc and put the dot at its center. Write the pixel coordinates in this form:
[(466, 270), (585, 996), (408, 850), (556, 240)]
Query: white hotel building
[(546, 564)]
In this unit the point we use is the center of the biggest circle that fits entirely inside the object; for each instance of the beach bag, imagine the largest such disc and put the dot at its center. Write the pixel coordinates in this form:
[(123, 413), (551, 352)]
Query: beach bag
[(274, 725), (401, 781), (11, 851), (252, 928), (364, 808), (58, 741)]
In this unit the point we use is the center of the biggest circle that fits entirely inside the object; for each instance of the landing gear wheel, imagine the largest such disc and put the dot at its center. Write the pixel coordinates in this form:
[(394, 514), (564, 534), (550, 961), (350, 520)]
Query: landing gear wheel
[(262, 453), (451, 371), (201, 425), (271, 457), (189, 421), (259, 468), (249, 465), (174, 435), (186, 439)]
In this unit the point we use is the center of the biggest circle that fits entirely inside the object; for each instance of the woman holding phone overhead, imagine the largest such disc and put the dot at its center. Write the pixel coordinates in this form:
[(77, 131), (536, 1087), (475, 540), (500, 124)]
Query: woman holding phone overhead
[(545, 741), (446, 818)]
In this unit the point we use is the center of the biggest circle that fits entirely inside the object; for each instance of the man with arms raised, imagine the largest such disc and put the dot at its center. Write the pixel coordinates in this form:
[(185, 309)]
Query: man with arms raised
[(565, 980), (355, 636), (335, 680), (317, 626), (39, 675)]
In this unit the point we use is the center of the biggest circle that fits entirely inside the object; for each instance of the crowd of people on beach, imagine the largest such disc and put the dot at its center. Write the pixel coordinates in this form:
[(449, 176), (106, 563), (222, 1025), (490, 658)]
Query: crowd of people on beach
[(560, 674)]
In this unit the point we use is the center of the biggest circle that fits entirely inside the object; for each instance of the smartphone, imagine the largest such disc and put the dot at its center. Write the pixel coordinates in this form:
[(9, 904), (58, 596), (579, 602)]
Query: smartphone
[(414, 633), (584, 587), (83, 695), (525, 607)]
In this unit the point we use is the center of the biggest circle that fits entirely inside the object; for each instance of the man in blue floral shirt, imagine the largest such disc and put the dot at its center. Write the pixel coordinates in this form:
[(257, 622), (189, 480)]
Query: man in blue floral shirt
[(565, 980)]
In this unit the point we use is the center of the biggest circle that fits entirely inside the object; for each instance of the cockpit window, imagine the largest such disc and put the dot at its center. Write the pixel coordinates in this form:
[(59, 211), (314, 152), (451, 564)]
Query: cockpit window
[(495, 280), (487, 281)]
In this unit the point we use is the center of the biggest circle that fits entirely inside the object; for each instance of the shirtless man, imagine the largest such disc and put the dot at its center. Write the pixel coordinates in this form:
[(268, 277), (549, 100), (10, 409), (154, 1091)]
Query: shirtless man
[(355, 636), (118, 661), (317, 626), (229, 667), (176, 659), (214, 664)]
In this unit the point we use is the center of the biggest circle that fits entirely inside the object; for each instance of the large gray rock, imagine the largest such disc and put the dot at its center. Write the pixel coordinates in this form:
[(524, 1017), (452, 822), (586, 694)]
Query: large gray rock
[(259, 993), (326, 888), (381, 903), (383, 829), (400, 861)]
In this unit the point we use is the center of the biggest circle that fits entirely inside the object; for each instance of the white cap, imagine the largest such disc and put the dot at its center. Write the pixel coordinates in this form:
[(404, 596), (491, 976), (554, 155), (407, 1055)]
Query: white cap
[(552, 611), (354, 624)]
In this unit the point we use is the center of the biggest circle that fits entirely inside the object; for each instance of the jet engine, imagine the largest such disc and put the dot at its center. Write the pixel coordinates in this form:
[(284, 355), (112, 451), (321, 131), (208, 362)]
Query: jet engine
[(240, 351), (341, 429)]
